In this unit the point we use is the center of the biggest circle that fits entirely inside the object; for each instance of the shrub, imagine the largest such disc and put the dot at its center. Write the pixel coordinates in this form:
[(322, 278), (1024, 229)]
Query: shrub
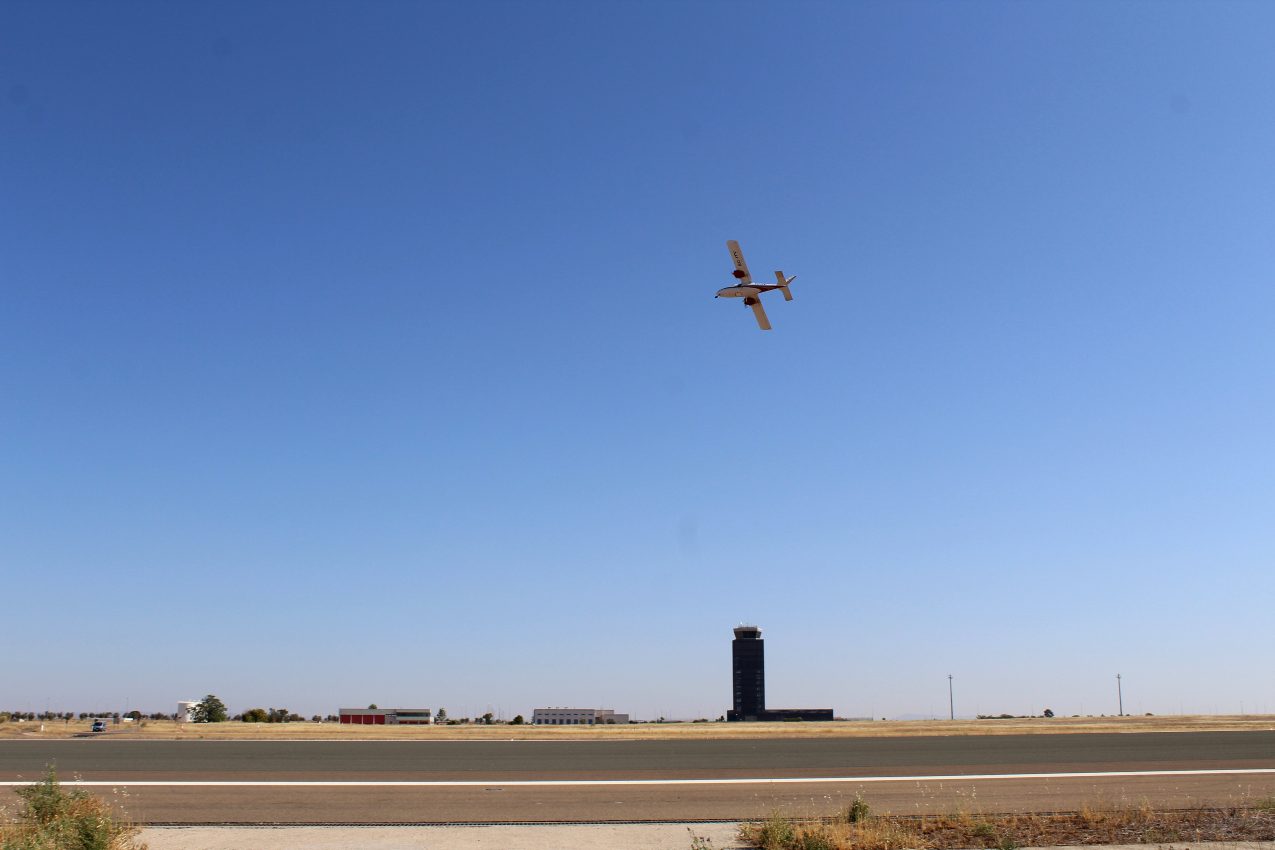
[(53, 819), (775, 833)]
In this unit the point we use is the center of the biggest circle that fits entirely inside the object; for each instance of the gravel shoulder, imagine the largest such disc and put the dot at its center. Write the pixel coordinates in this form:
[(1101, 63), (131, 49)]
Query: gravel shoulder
[(663, 836)]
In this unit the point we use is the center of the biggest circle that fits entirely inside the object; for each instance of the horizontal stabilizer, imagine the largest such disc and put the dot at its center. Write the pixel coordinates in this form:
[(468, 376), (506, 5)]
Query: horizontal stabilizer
[(783, 284)]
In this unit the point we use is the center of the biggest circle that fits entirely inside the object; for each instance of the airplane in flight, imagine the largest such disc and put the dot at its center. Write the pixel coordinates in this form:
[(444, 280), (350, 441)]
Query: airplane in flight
[(751, 291)]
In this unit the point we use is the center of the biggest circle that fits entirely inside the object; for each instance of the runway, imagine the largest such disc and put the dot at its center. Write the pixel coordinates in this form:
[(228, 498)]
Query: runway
[(584, 781)]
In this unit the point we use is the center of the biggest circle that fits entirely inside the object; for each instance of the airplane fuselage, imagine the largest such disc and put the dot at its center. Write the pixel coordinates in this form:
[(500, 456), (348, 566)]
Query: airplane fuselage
[(750, 290)]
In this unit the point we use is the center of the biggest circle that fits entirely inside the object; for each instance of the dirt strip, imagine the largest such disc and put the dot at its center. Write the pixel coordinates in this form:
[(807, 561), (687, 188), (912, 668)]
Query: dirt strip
[(604, 837), (585, 837)]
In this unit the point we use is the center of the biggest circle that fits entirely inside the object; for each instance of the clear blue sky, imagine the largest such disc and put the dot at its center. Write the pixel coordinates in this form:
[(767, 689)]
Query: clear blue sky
[(367, 352)]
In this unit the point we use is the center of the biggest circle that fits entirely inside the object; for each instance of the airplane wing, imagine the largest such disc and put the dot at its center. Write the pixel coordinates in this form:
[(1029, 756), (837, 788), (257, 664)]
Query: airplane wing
[(741, 268), (762, 321)]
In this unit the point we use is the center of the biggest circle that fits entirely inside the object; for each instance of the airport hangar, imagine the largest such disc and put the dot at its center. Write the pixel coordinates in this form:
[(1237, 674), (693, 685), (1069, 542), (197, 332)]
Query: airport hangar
[(387, 716)]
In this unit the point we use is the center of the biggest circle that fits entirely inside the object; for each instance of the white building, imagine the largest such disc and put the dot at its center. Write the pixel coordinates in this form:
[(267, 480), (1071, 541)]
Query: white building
[(577, 717)]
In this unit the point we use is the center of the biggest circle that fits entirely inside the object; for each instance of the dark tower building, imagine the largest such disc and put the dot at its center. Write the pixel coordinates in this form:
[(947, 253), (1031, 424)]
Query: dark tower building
[(748, 666), (748, 672)]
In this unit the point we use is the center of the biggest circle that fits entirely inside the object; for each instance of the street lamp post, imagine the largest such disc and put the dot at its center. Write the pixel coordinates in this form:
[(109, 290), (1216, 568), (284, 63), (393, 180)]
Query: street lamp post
[(951, 706), (1120, 694)]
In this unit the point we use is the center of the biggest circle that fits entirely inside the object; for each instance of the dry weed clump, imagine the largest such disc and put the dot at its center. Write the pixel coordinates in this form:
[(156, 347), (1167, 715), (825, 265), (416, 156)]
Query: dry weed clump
[(54, 819), (857, 828)]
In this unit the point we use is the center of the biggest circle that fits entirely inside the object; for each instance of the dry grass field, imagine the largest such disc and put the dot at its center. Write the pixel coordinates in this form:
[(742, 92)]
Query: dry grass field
[(858, 828), (309, 731)]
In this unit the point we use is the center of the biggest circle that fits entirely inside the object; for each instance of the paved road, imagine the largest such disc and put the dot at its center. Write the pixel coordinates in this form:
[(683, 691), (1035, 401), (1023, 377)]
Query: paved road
[(857, 764)]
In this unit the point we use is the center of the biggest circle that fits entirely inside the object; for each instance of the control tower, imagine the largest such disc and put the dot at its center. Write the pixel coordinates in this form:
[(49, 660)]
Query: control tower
[(748, 673), (748, 668)]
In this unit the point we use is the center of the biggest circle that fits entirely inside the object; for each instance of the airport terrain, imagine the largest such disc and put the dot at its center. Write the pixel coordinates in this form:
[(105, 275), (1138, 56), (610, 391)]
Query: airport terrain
[(422, 781), (306, 730)]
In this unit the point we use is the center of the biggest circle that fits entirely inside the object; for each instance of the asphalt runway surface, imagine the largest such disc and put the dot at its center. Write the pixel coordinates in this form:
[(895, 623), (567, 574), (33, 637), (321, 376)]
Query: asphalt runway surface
[(588, 781)]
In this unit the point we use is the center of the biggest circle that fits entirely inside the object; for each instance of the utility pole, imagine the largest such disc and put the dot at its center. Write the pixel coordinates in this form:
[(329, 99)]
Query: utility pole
[(1120, 694), (951, 706)]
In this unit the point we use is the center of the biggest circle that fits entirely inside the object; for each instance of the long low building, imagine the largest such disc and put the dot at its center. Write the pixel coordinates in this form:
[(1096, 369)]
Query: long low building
[(577, 717), (387, 716)]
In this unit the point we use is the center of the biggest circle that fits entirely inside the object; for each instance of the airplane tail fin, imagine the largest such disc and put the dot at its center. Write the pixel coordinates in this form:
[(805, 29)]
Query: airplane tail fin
[(783, 284)]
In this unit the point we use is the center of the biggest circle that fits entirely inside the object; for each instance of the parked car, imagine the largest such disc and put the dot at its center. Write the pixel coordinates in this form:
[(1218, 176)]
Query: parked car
[(99, 726)]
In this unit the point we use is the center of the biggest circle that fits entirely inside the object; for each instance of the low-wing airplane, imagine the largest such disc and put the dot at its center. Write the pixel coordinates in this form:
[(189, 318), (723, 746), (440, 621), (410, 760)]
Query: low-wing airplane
[(751, 291)]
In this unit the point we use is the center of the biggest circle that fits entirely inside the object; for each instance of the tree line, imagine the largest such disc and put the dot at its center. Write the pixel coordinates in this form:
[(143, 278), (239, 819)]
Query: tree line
[(212, 710), (68, 716)]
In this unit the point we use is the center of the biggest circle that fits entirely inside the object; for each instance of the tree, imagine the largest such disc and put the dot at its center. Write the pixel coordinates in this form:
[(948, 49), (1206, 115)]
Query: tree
[(371, 707), (517, 721), (255, 715), (442, 715), (488, 717), (1049, 712), (209, 710)]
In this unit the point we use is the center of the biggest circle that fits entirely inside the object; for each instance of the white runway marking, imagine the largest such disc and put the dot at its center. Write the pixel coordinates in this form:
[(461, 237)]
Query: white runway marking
[(517, 783)]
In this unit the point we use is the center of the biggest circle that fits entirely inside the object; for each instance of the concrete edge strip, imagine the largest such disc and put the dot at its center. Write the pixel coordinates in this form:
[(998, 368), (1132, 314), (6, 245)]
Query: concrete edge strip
[(519, 783)]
